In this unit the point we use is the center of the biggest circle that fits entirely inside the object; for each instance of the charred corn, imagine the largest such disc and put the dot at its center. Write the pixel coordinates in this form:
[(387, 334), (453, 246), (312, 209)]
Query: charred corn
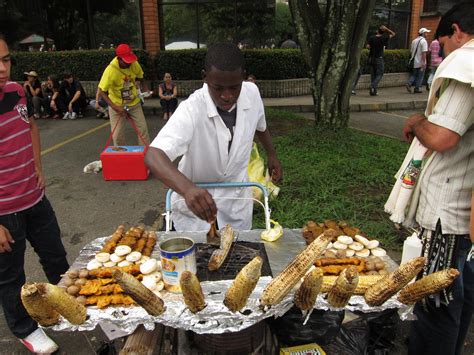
[(192, 291), (428, 285), (219, 255), (281, 285), (153, 304), (344, 287), (37, 307), (63, 303), (309, 289), (365, 281), (378, 293), (238, 293)]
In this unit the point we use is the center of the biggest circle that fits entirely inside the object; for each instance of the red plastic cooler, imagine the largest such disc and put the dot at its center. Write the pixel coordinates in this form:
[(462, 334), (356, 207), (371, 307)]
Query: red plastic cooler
[(124, 163)]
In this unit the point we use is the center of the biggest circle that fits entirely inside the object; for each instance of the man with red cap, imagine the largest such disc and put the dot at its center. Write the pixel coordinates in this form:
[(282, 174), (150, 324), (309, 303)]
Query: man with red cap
[(119, 87)]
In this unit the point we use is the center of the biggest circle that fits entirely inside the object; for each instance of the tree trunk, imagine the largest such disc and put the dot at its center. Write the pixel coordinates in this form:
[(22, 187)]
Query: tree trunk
[(331, 36)]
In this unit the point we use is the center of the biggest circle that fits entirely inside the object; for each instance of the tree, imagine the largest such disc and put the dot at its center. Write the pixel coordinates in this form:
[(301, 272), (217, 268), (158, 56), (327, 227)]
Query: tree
[(331, 35), (283, 22)]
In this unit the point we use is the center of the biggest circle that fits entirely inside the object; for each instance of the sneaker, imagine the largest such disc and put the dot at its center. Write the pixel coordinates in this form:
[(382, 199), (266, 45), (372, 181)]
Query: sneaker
[(36, 116), (80, 115), (56, 117), (39, 342), (353, 92), (73, 116), (417, 91), (373, 92), (408, 86), (105, 116), (66, 116)]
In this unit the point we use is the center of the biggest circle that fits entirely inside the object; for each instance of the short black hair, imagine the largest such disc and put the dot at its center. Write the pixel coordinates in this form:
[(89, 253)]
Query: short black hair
[(461, 14), (67, 75), (224, 56)]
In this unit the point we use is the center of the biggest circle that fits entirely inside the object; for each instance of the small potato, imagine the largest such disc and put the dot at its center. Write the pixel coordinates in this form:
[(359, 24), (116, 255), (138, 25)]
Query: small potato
[(329, 254), (67, 281), (373, 273), (73, 274), (369, 266), (81, 299), (80, 282), (73, 290), (383, 272), (341, 254), (83, 274), (380, 265)]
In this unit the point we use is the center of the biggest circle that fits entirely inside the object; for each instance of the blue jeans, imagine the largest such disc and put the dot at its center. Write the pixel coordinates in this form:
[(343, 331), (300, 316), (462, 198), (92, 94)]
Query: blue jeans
[(39, 226), (443, 330), (416, 77), (376, 72)]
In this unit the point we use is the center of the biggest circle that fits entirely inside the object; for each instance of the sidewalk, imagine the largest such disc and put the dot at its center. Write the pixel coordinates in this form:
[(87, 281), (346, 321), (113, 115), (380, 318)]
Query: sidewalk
[(388, 99)]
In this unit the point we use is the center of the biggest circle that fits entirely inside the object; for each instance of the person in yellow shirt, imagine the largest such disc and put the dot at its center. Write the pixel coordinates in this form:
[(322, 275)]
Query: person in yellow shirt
[(119, 87)]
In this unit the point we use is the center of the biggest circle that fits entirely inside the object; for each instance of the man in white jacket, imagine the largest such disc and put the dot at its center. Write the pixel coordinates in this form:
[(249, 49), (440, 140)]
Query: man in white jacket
[(443, 204), (213, 131)]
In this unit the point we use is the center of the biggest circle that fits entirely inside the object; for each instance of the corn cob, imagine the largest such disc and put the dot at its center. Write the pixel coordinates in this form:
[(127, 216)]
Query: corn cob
[(378, 293), (153, 304), (63, 303), (309, 289), (238, 293), (219, 255), (281, 285), (428, 285), (365, 281), (37, 307), (192, 291), (343, 288)]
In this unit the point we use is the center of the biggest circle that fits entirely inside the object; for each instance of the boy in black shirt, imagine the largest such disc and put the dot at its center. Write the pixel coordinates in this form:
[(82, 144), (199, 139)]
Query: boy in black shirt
[(72, 97), (376, 46)]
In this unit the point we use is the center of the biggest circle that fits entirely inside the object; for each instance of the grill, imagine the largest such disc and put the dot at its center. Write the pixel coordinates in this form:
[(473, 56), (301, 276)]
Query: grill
[(249, 339), (239, 255)]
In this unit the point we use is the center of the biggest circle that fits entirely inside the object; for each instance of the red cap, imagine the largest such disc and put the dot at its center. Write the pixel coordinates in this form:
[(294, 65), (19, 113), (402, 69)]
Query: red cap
[(125, 53)]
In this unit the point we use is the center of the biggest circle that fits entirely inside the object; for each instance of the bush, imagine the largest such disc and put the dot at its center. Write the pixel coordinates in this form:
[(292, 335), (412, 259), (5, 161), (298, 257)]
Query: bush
[(84, 64), (265, 64)]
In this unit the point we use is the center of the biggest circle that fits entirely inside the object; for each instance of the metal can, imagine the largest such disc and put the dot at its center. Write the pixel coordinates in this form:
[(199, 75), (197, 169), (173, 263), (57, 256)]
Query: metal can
[(177, 255)]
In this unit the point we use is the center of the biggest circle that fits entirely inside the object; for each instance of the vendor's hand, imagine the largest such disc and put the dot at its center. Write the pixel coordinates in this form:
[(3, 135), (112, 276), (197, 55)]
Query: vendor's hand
[(409, 124), (201, 203), (97, 105), (5, 240), (274, 168)]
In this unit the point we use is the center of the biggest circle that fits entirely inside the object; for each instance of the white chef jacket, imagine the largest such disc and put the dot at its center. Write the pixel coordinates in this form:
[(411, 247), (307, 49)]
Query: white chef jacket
[(198, 133)]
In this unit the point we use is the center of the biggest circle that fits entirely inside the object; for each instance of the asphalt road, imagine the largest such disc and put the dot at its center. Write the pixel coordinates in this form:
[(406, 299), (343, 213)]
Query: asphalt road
[(88, 207)]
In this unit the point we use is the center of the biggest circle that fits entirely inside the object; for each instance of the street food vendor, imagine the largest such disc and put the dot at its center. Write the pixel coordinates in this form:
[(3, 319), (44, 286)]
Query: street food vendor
[(213, 131)]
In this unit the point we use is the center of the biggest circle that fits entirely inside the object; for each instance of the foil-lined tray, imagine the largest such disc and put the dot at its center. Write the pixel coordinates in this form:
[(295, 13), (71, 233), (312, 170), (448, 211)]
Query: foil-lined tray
[(215, 318)]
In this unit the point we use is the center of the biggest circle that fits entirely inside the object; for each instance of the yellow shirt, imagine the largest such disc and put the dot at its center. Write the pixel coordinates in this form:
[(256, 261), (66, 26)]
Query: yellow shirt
[(120, 83)]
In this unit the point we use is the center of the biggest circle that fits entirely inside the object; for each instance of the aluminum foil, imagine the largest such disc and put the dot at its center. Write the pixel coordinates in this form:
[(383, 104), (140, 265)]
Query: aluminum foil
[(215, 318)]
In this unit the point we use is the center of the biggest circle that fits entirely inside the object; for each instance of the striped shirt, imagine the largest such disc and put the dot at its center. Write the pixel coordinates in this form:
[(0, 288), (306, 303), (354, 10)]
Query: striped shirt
[(18, 180), (448, 180)]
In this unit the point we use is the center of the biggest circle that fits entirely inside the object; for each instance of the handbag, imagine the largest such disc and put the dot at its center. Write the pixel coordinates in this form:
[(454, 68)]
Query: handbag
[(411, 62)]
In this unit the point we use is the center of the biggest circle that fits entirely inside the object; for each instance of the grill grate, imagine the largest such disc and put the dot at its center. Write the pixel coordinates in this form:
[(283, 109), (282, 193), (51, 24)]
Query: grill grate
[(239, 255)]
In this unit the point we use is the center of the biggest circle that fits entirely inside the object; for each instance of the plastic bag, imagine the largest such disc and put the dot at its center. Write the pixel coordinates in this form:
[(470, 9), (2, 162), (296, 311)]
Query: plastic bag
[(256, 171)]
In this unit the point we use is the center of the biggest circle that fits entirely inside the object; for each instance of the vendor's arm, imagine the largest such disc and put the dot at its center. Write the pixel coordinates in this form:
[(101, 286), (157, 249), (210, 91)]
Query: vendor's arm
[(274, 166), (5, 240), (451, 118), (198, 200), (105, 96), (35, 139)]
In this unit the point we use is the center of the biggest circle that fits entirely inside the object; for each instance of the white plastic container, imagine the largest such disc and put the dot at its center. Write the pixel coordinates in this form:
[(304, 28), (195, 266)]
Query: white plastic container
[(411, 248)]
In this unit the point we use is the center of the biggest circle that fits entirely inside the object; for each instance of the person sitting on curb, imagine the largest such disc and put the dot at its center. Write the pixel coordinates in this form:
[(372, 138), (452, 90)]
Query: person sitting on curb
[(168, 92), (72, 97), (32, 87), (100, 106), (50, 95)]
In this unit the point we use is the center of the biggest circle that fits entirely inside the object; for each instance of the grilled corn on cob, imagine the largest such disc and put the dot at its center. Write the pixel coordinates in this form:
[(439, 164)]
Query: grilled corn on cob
[(378, 293), (238, 293), (428, 285), (281, 285), (365, 281), (37, 307), (192, 291), (63, 303), (343, 288), (219, 255), (309, 289), (153, 304)]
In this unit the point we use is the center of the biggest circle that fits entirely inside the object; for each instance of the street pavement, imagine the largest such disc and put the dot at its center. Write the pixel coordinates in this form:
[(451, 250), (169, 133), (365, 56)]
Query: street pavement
[(88, 207)]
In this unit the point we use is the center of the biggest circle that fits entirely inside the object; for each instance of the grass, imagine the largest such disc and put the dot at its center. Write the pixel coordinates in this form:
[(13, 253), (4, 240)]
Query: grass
[(345, 175)]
